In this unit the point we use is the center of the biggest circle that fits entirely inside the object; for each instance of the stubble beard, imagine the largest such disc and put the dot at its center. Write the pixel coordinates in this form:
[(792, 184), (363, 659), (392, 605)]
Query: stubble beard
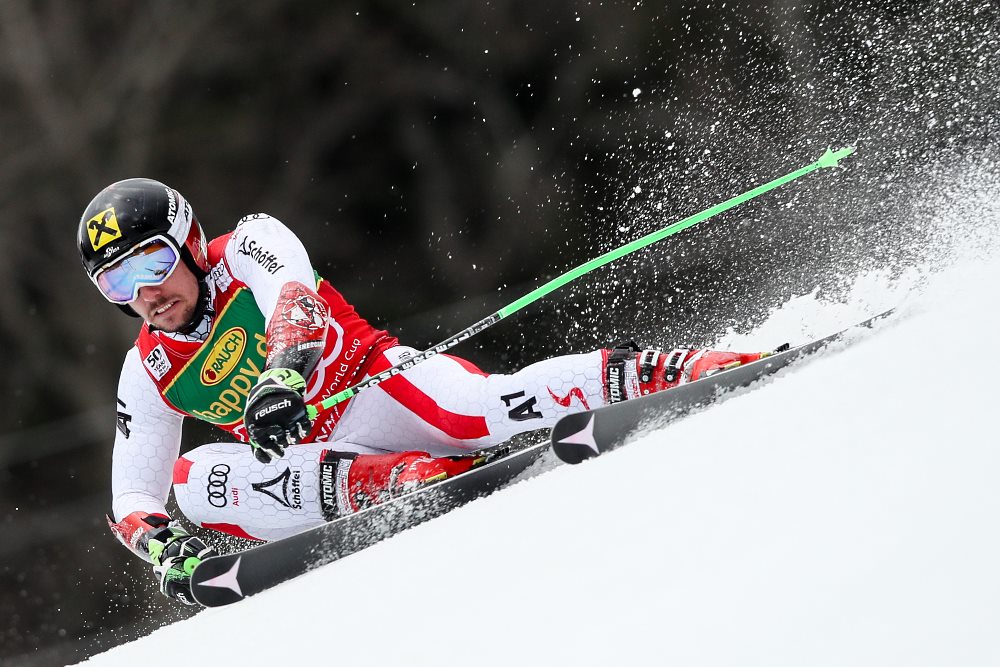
[(179, 319)]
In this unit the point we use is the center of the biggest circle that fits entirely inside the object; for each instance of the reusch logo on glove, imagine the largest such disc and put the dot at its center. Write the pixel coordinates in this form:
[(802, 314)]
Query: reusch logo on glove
[(263, 412)]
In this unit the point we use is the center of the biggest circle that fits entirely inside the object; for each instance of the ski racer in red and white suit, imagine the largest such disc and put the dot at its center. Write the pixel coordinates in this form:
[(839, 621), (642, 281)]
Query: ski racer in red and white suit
[(261, 296)]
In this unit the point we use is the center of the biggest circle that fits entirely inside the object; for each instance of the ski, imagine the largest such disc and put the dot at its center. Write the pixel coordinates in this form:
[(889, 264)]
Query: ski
[(228, 578), (583, 435)]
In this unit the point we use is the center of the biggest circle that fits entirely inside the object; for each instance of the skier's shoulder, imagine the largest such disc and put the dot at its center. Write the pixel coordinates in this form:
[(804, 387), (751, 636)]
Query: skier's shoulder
[(259, 239), (262, 250), (258, 226), (247, 227)]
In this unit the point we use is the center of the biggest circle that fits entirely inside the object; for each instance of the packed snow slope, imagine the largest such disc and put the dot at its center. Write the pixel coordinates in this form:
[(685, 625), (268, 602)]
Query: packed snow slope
[(845, 513)]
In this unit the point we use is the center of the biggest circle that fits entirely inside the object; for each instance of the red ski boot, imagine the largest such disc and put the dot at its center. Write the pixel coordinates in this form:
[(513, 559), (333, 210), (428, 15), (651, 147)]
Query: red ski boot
[(630, 372), (351, 482)]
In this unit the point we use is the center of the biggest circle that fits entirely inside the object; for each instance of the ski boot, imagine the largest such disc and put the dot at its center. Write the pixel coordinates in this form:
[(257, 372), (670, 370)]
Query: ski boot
[(359, 481), (630, 372)]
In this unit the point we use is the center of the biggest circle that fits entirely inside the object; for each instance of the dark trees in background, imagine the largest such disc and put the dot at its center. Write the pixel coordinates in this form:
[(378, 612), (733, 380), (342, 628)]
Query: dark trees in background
[(403, 143), (427, 154)]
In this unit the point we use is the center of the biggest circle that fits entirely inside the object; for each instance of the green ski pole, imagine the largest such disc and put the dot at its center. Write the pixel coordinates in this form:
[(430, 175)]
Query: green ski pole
[(829, 159)]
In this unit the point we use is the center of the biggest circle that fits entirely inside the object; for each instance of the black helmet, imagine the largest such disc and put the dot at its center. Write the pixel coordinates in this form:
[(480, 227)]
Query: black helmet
[(129, 212)]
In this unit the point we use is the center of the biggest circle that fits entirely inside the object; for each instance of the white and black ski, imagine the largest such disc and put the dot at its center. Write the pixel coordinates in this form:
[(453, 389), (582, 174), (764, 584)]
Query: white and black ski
[(583, 435), (228, 578)]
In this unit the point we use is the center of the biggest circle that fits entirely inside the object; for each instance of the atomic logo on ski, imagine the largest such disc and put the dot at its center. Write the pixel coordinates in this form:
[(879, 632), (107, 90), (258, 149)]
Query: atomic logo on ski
[(227, 579), (584, 436)]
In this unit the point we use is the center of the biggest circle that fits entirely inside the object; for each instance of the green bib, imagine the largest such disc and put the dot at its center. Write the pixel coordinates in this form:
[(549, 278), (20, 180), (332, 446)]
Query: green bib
[(214, 384)]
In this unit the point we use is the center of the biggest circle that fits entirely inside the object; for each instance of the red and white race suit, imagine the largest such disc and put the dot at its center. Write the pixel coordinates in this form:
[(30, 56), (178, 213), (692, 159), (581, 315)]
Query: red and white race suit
[(443, 406)]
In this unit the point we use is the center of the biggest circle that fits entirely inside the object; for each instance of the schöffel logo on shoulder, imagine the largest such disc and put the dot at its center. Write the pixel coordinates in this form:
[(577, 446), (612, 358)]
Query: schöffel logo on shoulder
[(259, 254), (224, 356)]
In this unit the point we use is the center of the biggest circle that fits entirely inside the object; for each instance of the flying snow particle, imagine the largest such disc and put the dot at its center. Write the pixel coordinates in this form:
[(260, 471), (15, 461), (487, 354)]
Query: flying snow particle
[(636, 92)]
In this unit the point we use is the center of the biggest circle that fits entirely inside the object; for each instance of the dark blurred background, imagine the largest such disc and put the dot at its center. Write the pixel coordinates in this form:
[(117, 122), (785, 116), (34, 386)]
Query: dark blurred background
[(440, 159)]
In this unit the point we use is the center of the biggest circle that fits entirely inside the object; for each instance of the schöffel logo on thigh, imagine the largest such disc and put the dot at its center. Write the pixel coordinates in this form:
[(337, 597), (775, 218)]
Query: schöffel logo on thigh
[(217, 480), (288, 481)]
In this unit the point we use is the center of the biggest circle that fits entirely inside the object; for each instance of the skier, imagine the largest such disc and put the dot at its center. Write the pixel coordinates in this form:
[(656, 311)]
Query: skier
[(240, 332)]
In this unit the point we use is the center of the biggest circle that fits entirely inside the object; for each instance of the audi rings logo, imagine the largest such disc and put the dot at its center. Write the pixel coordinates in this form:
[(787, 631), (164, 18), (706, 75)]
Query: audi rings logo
[(217, 485)]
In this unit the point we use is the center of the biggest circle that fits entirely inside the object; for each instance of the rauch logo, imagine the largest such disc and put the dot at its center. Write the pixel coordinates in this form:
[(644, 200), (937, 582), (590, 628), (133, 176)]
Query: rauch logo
[(224, 357), (230, 399)]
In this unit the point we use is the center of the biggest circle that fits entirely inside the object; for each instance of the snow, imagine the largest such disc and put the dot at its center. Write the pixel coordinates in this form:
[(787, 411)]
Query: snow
[(845, 513)]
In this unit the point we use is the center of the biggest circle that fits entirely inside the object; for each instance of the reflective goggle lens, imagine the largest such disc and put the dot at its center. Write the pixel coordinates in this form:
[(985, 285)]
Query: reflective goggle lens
[(149, 264)]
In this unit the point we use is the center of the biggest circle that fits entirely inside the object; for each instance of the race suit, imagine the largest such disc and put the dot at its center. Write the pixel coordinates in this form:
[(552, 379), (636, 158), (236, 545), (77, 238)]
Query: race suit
[(443, 406)]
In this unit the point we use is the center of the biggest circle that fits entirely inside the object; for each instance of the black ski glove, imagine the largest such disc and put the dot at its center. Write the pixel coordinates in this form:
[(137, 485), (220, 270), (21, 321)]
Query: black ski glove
[(276, 413), (174, 554)]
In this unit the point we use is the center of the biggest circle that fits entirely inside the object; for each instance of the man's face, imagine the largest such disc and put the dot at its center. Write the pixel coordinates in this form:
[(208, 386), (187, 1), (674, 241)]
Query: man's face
[(170, 305)]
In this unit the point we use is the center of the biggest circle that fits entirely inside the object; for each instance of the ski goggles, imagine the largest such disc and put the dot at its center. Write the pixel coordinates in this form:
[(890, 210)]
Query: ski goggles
[(149, 263)]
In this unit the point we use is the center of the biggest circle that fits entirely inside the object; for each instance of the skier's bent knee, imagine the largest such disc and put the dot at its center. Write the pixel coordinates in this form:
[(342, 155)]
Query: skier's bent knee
[(220, 488)]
